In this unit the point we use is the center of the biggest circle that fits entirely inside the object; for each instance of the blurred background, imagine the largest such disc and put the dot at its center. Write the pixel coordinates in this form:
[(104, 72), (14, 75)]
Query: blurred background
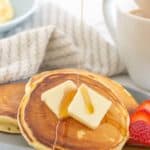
[(92, 13)]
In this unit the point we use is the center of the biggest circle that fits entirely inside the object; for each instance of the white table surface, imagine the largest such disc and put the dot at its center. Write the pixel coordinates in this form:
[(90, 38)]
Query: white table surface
[(126, 81)]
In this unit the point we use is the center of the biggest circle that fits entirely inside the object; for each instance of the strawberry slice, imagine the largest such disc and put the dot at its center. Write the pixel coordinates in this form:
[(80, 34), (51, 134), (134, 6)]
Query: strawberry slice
[(144, 106), (139, 133), (142, 115)]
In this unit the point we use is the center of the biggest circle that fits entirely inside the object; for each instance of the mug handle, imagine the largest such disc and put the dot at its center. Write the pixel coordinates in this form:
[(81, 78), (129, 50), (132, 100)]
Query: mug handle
[(109, 12)]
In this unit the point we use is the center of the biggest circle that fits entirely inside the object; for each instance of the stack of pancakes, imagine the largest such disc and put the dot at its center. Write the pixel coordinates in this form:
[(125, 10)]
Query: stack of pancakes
[(10, 98), (42, 129)]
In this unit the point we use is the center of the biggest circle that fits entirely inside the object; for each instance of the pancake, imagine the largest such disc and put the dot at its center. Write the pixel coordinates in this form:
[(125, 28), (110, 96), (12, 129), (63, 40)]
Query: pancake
[(10, 97), (42, 130)]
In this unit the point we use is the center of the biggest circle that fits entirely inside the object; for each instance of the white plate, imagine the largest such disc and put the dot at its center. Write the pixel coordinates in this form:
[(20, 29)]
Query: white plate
[(13, 142)]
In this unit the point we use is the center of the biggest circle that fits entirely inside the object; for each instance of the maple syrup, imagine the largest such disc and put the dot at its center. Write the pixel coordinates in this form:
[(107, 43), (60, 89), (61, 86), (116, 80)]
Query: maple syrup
[(56, 135), (72, 93), (81, 26)]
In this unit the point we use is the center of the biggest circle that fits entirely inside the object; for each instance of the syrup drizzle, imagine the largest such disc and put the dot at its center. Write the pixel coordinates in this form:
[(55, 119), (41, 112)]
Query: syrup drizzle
[(78, 76), (56, 135), (81, 26)]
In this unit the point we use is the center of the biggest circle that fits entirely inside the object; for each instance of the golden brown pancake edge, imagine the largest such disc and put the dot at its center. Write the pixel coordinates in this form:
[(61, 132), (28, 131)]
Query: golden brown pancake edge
[(33, 83), (10, 98)]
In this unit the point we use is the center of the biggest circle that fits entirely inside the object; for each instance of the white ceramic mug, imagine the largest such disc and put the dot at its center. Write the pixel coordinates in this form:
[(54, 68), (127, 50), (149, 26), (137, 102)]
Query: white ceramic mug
[(131, 35)]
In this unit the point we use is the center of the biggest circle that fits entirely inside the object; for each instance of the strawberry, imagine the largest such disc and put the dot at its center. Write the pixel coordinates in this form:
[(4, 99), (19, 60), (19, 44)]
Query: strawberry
[(139, 133), (144, 106), (142, 115)]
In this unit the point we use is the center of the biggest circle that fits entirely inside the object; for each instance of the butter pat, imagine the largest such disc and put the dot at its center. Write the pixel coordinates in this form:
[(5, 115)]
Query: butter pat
[(88, 107), (58, 98), (6, 11)]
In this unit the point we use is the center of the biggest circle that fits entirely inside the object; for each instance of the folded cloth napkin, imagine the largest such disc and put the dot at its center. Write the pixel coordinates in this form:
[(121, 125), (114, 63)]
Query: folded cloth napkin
[(52, 39)]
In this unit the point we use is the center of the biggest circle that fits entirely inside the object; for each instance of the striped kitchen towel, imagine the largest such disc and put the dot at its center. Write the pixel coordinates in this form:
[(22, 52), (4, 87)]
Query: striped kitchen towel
[(52, 39)]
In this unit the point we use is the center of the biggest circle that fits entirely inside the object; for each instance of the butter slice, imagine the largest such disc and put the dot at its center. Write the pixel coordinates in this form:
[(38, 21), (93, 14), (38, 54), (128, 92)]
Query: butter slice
[(58, 98), (6, 11), (89, 110)]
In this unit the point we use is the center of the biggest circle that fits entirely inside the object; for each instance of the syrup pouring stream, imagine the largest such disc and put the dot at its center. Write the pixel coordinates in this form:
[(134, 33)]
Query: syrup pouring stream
[(87, 100)]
